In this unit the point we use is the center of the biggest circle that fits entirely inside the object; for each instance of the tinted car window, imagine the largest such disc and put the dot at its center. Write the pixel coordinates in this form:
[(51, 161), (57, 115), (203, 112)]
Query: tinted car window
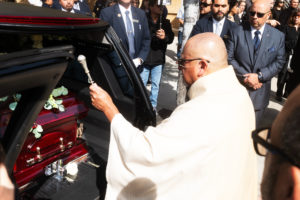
[(7, 105), (109, 57)]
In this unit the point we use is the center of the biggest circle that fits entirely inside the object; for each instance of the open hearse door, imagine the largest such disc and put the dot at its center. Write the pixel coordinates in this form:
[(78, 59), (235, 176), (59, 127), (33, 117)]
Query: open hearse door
[(56, 143)]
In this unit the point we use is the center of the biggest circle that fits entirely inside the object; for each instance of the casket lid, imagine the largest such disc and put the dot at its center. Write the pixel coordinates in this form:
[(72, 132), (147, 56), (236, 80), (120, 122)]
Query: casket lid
[(23, 17)]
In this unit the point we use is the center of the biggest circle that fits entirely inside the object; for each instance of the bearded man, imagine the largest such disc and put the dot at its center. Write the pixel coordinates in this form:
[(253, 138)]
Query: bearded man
[(217, 22)]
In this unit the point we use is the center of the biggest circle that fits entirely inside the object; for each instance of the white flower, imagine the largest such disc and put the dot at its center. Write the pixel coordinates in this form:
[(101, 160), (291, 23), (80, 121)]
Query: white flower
[(37, 130)]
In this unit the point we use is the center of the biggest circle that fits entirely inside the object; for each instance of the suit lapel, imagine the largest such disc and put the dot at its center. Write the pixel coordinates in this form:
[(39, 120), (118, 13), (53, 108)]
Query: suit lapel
[(225, 28), (210, 25), (120, 23), (265, 39), (249, 41)]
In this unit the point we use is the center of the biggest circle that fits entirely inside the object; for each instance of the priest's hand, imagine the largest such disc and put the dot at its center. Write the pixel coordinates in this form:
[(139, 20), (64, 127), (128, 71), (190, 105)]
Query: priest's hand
[(102, 101)]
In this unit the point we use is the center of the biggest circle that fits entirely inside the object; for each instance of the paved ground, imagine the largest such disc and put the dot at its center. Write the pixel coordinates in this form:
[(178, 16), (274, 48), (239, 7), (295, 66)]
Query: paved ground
[(167, 95)]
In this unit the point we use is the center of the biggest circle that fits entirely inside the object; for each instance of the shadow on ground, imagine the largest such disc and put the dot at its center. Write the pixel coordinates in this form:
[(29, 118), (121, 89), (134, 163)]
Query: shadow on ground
[(172, 54), (269, 116)]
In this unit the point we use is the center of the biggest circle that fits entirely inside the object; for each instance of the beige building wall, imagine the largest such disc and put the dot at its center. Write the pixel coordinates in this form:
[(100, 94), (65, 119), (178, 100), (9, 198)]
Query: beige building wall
[(172, 13)]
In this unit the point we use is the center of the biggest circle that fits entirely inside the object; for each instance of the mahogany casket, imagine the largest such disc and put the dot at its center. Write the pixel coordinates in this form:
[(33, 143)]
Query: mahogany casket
[(60, 139)]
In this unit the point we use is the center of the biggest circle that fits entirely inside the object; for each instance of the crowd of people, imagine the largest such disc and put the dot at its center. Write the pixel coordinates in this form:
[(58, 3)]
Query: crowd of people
[(148, 41), (226, 19), (204, 149), (228, 62)]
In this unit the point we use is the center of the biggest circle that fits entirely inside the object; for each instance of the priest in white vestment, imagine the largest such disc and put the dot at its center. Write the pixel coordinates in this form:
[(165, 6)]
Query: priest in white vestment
[(203, 151)]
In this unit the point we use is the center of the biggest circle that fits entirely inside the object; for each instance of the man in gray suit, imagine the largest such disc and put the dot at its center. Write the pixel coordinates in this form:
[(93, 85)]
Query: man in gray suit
[(256, 51)]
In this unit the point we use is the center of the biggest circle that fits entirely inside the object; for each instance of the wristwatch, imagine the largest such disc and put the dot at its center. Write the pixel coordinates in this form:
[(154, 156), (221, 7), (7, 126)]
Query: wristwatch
[(260, 76)]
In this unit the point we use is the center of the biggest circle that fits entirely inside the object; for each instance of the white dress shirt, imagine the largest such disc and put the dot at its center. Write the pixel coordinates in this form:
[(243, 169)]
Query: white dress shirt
[(180, 15), (261, 30), (218, 24), (72, 11), (123, 10), (38, 3)]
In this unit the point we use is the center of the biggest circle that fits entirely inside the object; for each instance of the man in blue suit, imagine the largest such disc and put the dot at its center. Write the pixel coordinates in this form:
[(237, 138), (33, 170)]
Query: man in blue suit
[(256, 51), (82, 6), (216, 22), (138, 43)]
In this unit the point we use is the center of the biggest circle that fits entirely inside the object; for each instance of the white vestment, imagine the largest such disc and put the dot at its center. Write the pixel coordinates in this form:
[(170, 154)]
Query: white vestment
[(203, 151)]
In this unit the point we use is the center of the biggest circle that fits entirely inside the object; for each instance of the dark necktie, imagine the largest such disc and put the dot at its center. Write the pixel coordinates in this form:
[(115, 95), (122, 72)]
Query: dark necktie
[(256, 40), (130, 35)]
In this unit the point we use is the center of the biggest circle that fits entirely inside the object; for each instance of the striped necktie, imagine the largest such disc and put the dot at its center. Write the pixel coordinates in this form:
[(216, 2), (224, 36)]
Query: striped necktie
[(130, 35)]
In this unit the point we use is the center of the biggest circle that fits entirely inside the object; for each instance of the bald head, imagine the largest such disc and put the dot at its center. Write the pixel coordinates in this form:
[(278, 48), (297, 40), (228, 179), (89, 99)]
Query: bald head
[(208, 46), (259, 6), (203, 54), (263, 3)]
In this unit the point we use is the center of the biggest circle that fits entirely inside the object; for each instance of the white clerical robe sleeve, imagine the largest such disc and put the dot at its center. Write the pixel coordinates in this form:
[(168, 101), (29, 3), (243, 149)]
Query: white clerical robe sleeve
[(129, 138)]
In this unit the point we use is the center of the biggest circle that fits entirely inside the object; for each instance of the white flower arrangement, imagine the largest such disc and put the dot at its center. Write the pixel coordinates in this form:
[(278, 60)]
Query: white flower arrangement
[(51, 103), (56, 103)]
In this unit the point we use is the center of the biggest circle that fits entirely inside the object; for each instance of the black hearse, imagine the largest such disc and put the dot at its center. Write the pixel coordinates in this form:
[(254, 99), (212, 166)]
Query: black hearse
[(46, 118)]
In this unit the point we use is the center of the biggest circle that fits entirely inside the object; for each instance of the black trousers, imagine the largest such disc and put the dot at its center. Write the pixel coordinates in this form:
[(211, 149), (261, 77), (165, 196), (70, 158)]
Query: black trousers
[(281, 80), (259, 116)]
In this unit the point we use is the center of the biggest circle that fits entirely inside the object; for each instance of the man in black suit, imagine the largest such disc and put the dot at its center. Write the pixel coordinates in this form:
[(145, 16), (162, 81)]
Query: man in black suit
[(135, 34), (216, 22), (256, 51), (286, 13), (294, 79)]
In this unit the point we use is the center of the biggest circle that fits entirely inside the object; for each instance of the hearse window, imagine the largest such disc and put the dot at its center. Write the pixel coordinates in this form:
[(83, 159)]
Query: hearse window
[(7, 105), (120, 73), (101, 58)]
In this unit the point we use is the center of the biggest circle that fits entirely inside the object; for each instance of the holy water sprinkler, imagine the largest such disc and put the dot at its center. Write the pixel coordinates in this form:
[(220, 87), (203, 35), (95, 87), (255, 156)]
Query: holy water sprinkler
[(81, 59)]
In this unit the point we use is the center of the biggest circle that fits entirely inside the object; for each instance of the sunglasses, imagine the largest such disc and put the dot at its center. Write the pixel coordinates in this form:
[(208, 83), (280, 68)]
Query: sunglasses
[(205, 4), (218, 5), (258, 14), (181, 62)]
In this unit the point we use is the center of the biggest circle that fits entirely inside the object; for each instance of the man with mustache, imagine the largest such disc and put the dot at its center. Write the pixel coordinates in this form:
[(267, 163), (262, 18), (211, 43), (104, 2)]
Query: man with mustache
[(216, 22)]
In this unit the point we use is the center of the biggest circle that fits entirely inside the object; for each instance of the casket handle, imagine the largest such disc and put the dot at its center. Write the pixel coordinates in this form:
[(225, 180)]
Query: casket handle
[(38, 151), (61, 146)]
